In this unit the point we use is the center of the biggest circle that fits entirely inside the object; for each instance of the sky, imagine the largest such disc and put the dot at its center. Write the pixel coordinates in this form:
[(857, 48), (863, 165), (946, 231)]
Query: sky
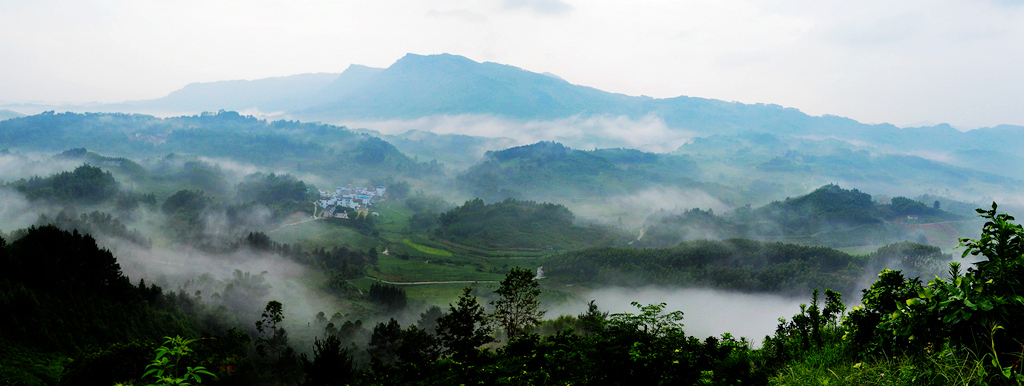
[(904, 62)]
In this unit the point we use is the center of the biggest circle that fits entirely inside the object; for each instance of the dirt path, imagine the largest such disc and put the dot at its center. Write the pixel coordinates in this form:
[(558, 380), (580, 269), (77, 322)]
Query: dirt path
[(291, 224)]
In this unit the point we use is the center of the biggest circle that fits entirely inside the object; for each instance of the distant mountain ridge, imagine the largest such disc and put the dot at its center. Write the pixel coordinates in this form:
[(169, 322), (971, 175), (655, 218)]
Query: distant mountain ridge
[(8, 114), (418, 86)]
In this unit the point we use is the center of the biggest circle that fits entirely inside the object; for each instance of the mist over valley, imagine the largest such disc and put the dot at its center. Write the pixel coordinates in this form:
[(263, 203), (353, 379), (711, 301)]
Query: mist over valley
[(337, 225)]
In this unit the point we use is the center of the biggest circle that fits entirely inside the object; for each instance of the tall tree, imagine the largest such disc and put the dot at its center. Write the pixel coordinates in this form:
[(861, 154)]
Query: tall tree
[(464, 327), (272, 339), (384, 344), (331, 364), (518, 306)]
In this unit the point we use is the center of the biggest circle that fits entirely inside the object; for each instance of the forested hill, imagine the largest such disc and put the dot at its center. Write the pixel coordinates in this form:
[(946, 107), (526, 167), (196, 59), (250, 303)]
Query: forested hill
[(830, 215), (308, 147), (547, 170), (48, 267), (514, 224)]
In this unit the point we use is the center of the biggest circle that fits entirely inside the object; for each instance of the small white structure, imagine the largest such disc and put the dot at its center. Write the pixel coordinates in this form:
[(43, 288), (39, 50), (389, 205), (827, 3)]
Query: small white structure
[(540, 273)]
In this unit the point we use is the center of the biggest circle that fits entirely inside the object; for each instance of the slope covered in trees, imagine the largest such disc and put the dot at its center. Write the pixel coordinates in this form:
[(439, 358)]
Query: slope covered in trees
[(86, 185), (63, 294), (551, 170), (306, 147), (513, 224)]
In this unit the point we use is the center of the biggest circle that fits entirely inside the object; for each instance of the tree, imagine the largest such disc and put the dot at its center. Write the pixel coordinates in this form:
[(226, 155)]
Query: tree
[(428, 319), (418, 346), (384, 344), (594, 320), (187, 202), (331, 364), (464, 327), (272, 338), (518, 307)]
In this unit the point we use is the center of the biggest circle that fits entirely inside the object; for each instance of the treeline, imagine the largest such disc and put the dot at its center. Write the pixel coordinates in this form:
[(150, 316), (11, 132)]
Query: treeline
[(390, 296), (95, 223), (647, 347), (341, 259), (85, 185), (520, 224)]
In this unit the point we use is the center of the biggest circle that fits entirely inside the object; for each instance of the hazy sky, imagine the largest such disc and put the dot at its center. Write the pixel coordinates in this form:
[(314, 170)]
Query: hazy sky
[(903, 62)]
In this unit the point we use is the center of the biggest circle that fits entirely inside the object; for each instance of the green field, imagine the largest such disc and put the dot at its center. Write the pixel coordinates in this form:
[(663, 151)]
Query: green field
[(426, 249), (321, 234), (412, 259)]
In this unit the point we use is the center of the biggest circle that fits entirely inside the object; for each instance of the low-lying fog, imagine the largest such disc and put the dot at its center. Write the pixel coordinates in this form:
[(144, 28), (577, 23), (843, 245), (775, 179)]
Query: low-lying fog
[(706, 312), (648, 133)]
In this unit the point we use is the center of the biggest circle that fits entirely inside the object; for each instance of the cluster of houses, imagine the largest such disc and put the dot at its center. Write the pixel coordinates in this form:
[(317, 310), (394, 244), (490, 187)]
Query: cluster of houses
[(332, 203)]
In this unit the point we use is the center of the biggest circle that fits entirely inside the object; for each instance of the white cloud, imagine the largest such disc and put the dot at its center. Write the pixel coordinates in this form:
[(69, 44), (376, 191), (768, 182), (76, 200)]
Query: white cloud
[(648, 133), (706, 312), (550, 7)]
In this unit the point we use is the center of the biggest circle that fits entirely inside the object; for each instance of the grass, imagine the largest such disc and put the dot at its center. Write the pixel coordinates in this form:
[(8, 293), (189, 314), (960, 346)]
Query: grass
[(21, 365), (426, 249), (321, 234), (943, 368), (422, 260), (394, 216), (392, 268)]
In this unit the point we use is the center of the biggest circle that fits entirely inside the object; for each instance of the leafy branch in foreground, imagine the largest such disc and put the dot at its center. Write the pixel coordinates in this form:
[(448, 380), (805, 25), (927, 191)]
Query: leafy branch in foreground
[(166, 366)]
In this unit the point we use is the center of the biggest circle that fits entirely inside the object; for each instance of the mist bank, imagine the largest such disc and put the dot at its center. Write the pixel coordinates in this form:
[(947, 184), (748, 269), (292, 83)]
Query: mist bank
[(742, 265), (707, 312), (828, 216), (647, 133)]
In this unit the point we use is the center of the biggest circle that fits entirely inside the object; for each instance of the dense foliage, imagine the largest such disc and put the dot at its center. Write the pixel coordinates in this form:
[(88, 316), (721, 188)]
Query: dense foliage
[(389, 296), (549, 170), (63, 294), (87, 184), (95, 223), (649, 347), (517, 308), (954, 330), (308, 147)]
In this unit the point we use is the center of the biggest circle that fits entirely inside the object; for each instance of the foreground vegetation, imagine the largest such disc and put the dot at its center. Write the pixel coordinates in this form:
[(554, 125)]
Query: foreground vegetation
[(956, 330), (76, 318)]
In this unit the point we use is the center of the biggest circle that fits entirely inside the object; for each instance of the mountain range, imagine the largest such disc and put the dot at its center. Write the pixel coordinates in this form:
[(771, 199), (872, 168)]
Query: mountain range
[(420, 86), (445, 85)]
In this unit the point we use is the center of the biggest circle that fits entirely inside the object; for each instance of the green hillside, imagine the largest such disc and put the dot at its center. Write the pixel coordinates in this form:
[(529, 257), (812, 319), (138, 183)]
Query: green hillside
[(513, 224), (829, 216), (308, 147), (547, 170)]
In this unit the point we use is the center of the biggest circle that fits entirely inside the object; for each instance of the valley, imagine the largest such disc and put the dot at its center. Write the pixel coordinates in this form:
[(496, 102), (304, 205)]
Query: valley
[(287, 238)]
